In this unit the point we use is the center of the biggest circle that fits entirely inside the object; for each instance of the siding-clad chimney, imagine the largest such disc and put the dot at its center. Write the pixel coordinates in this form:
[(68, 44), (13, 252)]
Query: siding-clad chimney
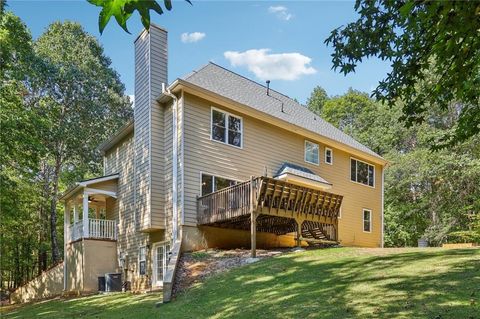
[(151, 67)]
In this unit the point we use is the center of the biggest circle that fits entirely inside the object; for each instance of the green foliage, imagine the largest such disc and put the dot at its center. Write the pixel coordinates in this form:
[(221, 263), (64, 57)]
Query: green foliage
[(59, 98), (122, 10), (466, 236), (427, 194), (433, 48), (317, 99)]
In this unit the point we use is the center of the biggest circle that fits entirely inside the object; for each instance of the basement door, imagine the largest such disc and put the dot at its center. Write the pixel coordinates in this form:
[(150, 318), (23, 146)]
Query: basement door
[(160, 259)]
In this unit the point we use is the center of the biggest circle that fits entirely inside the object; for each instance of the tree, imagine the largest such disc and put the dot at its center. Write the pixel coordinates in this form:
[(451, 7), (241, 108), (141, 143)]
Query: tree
[(433, 47), (427, 194), (82, 101), (58, 97), (317, 99), (122, 10), (20, 152)]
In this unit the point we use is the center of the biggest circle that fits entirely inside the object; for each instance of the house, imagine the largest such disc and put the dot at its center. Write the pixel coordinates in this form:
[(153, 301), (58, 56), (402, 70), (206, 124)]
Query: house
[(215, 160)]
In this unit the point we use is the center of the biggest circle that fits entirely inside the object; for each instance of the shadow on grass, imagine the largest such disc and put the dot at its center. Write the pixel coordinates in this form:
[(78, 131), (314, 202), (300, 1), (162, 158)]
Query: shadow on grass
[(442, 284), (333, 283)]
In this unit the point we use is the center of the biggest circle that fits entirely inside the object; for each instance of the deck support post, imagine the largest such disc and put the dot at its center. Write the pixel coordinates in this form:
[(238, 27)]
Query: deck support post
[(253, 220), (299, 232)]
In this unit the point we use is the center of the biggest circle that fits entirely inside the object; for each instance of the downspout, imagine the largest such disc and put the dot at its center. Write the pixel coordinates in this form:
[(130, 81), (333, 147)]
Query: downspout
[(167, 92), (383, 203)]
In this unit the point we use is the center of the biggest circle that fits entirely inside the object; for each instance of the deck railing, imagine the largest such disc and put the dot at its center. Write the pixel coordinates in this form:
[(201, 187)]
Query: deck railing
[(271, 197), (228, 203), (97, 228)]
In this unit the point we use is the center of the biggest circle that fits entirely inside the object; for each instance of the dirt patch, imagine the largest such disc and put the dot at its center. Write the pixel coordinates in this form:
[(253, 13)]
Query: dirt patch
[(196, 266)]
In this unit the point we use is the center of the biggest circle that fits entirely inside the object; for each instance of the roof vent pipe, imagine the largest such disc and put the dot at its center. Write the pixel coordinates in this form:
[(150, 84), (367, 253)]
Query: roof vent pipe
[(268, 87)]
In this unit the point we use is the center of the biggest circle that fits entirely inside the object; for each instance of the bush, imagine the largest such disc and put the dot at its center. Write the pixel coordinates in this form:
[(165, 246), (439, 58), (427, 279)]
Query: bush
[(466, 236)]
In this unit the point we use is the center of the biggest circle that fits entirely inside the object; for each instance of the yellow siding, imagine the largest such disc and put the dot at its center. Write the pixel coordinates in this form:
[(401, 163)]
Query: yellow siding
[(265, 148)]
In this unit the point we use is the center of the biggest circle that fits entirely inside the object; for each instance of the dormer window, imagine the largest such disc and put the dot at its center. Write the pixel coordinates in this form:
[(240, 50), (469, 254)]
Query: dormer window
[(226, 128), (328, 156)]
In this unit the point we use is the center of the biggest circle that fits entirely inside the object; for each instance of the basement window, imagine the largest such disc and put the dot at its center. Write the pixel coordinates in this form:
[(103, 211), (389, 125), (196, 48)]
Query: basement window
[(226, 128), (367, 220), (212, 183)]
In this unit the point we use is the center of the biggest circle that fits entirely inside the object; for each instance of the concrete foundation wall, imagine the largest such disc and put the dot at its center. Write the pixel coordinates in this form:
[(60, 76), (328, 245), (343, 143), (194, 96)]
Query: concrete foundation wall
[(87, 260), (48, 284)]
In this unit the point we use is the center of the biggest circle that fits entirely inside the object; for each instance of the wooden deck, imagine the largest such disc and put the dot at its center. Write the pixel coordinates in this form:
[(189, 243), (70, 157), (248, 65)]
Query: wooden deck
[(270, 205)]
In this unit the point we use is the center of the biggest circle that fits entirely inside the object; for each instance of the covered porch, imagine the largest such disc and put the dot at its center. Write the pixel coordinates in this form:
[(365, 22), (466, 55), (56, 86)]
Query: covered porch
[(86, 210), (275, 205)]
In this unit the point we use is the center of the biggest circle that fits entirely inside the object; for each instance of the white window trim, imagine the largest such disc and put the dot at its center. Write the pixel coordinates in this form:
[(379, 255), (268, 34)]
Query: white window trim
[(340, 212), (212, 108), (140, 260), (350, 172), (305, 153), (331, 156), (164, 244), (214, 175), (363, 220)]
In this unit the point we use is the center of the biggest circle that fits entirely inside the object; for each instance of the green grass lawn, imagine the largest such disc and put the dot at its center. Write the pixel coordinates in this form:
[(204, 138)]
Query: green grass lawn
[(329, 283)]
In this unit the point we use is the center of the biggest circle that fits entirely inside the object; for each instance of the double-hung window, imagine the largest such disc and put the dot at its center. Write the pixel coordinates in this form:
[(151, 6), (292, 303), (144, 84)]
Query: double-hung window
[(328, 156), (226, 128), (361, 172), (367, 220), (212, 183), (311, 153)]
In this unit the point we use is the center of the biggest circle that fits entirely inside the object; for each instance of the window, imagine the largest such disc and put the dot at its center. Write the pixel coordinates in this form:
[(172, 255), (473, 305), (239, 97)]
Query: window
[(362, 172), (212, 183), (367, 220), (328, 156), (226, 128), (311, 153), (142, 261)]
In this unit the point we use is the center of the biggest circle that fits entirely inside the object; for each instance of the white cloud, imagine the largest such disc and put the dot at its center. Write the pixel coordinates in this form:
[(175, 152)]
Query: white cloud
[(192, 37), (280, 12), (132, 99), (266, 66)]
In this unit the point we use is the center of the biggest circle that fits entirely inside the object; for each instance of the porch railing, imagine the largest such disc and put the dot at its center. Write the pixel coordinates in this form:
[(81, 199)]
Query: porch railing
[(97, 228)]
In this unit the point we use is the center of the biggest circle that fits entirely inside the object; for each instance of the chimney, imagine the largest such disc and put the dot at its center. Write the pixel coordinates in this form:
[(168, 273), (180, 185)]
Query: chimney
[(151, 70)]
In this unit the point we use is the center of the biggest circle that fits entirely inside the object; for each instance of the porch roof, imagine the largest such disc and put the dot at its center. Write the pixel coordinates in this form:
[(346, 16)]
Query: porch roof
[(89, 182), (301, 175)]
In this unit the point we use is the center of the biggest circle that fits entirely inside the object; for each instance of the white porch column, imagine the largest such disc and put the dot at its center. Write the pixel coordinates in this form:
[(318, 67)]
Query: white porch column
[(75, 211), (66, 239), (85, 215)]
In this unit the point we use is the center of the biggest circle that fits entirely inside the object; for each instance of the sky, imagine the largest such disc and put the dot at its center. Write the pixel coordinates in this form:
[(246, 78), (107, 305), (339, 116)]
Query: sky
[(281, 41)]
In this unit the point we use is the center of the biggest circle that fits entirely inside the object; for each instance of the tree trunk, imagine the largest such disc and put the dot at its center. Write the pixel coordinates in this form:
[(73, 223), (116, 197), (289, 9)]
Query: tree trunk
[(53, 214)]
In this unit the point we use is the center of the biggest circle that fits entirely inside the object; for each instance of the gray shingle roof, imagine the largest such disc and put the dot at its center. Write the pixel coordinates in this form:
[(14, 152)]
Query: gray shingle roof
[(231, 85), (289, 168)]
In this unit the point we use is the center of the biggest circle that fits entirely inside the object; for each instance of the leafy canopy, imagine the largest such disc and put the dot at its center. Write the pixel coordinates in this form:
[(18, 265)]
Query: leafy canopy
[(122, 10), (420, 38), (317, 99)]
